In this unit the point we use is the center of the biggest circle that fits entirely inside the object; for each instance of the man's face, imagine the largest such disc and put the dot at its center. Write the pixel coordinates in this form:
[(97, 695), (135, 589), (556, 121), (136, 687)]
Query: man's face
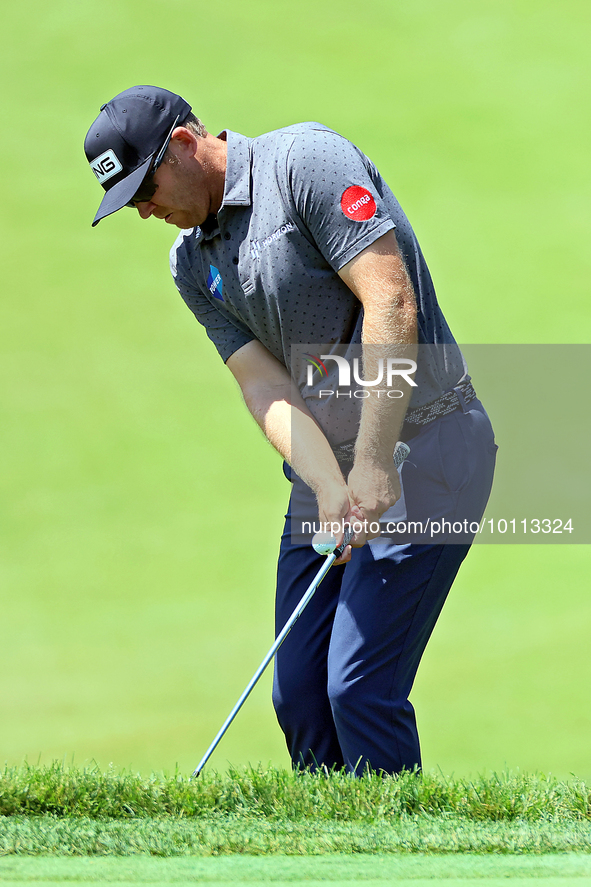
[(183, 192)]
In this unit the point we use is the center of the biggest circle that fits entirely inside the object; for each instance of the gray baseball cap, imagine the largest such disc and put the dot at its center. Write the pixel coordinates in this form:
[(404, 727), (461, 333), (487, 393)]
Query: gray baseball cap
[(122, 143)]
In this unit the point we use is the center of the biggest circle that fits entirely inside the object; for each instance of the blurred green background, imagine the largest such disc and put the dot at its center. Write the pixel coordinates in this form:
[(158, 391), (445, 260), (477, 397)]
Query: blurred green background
[(140, 506)]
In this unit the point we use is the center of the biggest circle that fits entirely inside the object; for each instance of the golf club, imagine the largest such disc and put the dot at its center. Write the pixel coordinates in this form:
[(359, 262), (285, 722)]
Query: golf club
[(321, 546)]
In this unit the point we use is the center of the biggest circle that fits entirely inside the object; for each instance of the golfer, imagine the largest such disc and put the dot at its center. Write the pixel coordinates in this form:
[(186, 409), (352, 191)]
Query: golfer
[(296, 257)]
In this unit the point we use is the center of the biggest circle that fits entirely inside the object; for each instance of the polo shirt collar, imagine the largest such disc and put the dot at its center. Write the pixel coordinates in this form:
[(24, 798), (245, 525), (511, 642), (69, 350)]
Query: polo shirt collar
[(237, 184)]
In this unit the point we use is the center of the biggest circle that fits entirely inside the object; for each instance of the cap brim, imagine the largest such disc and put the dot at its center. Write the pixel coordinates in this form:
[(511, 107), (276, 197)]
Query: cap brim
[(121, 193)]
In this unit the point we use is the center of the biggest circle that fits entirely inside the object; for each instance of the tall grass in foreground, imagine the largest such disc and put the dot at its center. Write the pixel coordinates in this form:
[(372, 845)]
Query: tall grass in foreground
[(260, 793), (70, 811)]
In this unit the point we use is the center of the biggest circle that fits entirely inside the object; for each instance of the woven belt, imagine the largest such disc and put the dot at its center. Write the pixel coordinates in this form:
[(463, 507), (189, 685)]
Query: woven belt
[(415, 419), (445, 404)]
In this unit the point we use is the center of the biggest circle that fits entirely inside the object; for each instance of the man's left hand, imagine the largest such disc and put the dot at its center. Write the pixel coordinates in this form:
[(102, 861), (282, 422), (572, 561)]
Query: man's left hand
[(374, 488)]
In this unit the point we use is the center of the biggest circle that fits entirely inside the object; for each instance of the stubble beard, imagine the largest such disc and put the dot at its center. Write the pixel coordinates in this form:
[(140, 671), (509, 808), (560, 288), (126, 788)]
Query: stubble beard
[(193, 209)]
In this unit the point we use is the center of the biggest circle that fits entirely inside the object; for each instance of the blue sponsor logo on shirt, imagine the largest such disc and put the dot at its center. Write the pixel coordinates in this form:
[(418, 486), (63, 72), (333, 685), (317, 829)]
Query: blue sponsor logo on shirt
[(214, 283)]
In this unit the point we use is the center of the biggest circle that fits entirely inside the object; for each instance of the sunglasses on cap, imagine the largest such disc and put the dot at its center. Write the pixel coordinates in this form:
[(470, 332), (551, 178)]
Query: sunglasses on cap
[(147, 189)]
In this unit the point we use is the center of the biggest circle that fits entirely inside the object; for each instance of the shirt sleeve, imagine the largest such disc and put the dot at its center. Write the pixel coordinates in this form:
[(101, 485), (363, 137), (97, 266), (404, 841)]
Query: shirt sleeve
[(226, 332), (337, 192)]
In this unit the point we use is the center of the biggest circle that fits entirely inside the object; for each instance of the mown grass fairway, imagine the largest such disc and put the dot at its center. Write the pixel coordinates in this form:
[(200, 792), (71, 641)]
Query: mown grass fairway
[(140, 507), (467, 870), (402, 870)]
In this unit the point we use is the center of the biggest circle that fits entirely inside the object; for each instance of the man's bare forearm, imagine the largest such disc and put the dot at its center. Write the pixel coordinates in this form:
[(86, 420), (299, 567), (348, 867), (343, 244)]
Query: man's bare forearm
[(281, 412), (292, 430), (382, 414), (380, 280)]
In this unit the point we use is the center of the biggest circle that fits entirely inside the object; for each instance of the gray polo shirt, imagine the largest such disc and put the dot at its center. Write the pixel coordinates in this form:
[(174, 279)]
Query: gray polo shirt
[(299, 203)]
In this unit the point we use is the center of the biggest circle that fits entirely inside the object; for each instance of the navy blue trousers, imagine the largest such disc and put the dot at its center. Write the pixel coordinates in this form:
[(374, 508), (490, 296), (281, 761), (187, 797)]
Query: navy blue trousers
[(344, 674)]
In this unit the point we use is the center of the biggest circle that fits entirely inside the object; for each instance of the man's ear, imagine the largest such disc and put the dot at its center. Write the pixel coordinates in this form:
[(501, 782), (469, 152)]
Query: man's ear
[(183, 141)]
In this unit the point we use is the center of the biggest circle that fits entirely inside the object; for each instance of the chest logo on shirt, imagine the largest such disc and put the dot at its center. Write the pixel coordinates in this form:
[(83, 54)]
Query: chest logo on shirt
[(358, 204), (215, 283), (257, 245)]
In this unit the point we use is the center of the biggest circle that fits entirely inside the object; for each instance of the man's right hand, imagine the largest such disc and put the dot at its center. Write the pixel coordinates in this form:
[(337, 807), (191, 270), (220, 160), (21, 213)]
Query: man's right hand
[(336, 509)]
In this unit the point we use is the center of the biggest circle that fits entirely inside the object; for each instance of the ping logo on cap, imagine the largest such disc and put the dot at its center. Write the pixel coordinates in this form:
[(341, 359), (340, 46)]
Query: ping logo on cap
[(357, 203), (106, 166)]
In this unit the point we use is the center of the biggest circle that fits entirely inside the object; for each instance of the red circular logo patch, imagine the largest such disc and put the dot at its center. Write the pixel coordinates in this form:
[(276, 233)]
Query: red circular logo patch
[(358, 204)]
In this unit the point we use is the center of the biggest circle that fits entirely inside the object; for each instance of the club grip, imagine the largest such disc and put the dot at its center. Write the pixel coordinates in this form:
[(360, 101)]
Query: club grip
[(346, 539)]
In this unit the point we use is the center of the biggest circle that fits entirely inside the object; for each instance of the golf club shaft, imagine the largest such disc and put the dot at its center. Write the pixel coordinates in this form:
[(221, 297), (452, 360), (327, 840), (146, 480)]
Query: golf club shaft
[(277, 643), (400, 454)]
